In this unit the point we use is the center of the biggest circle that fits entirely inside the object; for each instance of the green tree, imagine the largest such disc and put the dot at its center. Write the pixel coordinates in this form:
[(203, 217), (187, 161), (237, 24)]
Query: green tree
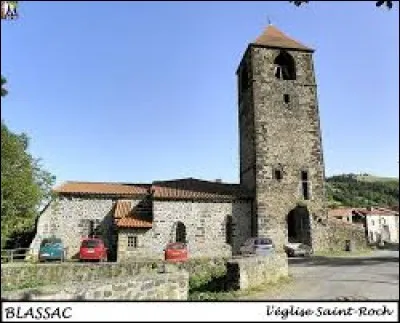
[(389, 4), (3, 83), (25, 185)]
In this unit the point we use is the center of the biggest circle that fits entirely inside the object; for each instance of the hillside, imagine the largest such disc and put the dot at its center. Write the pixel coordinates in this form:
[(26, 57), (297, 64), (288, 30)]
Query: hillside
[(362, 191)]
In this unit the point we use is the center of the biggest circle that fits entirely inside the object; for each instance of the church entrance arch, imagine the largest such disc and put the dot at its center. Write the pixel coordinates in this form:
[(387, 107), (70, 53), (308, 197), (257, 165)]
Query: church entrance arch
[(299, 226)]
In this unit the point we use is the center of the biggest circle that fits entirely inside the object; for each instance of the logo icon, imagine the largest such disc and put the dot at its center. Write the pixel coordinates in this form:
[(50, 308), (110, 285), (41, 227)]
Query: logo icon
[(9, 10)]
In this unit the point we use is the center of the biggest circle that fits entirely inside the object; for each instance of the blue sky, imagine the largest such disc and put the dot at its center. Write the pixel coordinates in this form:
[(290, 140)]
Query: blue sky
[(142, 91)]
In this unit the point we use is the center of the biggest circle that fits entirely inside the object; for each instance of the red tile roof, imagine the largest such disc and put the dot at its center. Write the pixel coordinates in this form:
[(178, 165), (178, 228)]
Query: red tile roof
[(133, 223), (125, 217), (340, 212), (378, 211), (272, 36), (122, 209), (362, 211), (188, 188), (102, 188)]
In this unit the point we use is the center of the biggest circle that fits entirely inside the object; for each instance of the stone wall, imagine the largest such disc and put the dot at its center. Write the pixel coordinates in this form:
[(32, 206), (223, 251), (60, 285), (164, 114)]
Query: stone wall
[(250, 272), (18, 274), (65, 218), (205, 223), (143, 249), (206, 227), (165, 286), (333, 234)]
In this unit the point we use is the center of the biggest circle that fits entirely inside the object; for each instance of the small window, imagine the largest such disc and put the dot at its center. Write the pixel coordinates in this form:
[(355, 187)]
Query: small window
[(278, 174), (286, 98), (305, 185), (132, 242), (228, 229)]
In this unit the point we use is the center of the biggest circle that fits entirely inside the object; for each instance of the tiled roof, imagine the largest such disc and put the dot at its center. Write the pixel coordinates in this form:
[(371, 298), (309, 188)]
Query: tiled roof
[(378, 211), (125, 217), (188, 188), (102, 188), (340, 212), (122, 209), (191, 188), (133, 223), (361, 211), (275, 38)]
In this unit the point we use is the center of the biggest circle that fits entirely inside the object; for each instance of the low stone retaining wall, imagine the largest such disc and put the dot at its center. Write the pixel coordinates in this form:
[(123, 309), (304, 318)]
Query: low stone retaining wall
[(333, 235), (165, 286), (27, 274), (250, 272), (138, 280), (22, 274), (204, 265)]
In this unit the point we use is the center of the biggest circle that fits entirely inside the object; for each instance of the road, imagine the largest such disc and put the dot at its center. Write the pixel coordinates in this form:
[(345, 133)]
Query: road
[(373, 277)]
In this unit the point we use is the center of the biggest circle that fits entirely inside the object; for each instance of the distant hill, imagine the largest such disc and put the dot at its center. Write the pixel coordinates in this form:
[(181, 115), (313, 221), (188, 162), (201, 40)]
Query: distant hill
[(362, 190)]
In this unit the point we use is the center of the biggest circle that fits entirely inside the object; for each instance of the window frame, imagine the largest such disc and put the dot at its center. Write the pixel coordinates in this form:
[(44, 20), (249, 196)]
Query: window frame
[(132, 242)]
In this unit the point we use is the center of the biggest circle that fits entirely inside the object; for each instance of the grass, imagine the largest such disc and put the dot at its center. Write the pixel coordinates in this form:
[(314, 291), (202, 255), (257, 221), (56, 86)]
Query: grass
[(342, 253), (251, 293)]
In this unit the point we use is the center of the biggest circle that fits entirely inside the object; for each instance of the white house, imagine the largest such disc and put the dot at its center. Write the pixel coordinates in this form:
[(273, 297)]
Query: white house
[(382, 225)]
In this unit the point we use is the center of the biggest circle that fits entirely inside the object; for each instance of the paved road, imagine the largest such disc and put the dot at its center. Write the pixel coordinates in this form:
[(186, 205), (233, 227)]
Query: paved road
[(372, 277)]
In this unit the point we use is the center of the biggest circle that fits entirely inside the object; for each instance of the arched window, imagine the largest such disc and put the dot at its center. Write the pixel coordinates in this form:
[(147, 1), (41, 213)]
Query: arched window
[(180, 234), (285, 68)]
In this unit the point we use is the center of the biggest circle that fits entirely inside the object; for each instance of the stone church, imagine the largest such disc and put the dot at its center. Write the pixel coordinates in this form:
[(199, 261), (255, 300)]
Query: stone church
[(281, 190)]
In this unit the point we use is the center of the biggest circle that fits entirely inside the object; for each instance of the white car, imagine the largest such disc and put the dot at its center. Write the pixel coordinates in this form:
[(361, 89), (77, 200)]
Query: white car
[(298, 249)]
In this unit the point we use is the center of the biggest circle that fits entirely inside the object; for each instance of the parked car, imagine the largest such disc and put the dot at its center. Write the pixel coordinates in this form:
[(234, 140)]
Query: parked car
[(298, 249), (93, 249), (257, 246), (176, 252), (51, 249)]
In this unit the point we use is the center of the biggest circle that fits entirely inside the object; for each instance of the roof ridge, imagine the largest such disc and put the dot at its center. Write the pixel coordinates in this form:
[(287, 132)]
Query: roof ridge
[(95, 182), (272, 36)]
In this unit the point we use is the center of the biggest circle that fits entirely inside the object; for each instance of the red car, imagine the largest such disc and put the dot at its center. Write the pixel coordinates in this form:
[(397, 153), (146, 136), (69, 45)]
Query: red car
[(176, 252), (93, 249)]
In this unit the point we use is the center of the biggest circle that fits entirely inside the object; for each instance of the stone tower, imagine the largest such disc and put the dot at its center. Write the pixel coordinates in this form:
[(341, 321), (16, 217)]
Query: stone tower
[(281, 158)]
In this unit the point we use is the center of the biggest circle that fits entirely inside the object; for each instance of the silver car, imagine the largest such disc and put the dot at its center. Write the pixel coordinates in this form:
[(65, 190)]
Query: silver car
[(298, 249), (257, 246)]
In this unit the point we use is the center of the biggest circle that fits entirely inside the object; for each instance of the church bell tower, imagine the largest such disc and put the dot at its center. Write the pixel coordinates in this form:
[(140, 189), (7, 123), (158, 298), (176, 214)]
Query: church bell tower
[(281, 157)]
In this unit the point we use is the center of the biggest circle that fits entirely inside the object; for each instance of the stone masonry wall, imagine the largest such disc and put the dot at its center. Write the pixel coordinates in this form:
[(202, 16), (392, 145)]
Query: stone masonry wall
[(250, 272), (287, 137), (19, 274), (333, 235), (143, 250), (154, 286), (63, 218), (205, 226)]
